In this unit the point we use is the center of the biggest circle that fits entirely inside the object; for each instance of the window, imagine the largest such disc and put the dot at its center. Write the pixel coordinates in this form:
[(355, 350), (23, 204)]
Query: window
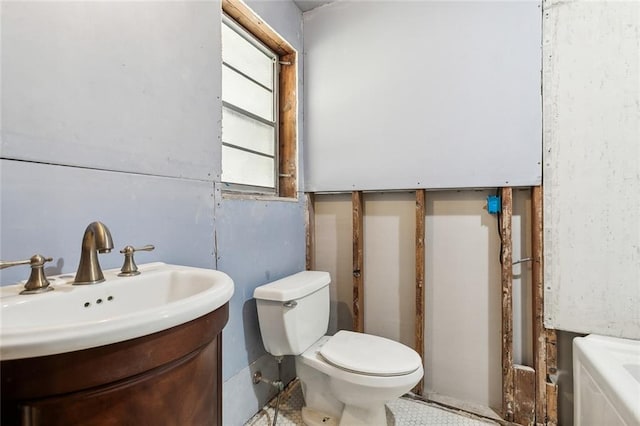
[(249, 119), (258, 105)]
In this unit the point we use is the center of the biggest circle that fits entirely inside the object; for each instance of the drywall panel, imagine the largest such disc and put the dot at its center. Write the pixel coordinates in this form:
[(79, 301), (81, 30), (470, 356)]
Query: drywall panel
[(46, 208), (422, 94), (258, 242), (463, 299), (113, 85), (333, 245), (592, 167), (389, 266)]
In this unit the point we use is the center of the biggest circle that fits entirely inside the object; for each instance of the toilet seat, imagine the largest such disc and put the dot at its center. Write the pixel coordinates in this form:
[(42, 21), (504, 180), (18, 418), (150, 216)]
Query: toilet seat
[(370, 355)]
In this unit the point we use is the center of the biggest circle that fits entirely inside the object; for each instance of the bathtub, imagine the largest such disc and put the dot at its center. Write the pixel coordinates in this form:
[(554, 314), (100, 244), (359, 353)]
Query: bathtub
[(606, 381)]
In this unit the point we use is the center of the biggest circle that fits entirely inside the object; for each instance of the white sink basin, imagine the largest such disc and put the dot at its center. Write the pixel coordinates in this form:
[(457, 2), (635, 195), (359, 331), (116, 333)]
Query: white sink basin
[(75, 317)]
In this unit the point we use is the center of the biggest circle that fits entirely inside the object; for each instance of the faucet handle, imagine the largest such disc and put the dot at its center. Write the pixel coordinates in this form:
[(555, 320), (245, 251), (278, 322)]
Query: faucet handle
[(37, 282), (129, 267), (9, 263)]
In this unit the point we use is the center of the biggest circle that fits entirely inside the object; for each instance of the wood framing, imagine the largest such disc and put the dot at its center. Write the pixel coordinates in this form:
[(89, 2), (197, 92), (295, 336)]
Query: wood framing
[(288, 111), (420, 279), (524, 412), (246, 17), (507, 305), (552, 405), (552, 370), (552, 352), (528, 396), (358, 261), (287, 92), (310, 226), (537, 293)]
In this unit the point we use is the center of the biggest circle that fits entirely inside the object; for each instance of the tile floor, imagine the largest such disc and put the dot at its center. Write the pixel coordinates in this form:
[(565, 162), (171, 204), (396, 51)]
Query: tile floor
[(401, 412)]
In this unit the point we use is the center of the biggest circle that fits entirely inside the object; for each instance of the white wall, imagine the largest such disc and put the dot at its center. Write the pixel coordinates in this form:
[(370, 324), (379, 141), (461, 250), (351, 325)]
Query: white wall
[(592, 167), (422, 94), (463, 290)]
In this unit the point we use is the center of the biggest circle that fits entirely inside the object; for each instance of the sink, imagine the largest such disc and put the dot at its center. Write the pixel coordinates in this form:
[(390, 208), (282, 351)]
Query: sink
[(73, 318)]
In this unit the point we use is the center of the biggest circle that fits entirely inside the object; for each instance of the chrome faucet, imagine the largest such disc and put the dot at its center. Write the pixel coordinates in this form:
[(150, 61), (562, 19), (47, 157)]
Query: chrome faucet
[(96, 239)]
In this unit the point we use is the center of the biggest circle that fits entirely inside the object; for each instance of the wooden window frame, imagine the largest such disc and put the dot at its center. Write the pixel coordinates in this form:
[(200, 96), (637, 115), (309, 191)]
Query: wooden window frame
[(287, 92)]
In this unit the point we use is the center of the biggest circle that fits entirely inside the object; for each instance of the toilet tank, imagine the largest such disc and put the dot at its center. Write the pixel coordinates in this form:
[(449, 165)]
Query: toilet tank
[(293, 312)]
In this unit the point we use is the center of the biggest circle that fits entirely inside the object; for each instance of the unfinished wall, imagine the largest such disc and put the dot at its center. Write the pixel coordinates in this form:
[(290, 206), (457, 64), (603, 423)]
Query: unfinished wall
[(333, 228), (389, 265), (592, 167), (463, 289)]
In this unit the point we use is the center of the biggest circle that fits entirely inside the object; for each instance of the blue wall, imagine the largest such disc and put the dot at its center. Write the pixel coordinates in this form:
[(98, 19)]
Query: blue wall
[(111, 111)]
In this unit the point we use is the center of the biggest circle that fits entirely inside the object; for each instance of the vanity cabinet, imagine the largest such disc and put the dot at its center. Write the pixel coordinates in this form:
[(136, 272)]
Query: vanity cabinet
[(173, 377)]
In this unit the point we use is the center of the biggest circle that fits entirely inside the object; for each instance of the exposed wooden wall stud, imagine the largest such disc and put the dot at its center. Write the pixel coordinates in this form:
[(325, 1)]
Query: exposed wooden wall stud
[(552, 405), (552, 352), (524, 412), (552, 370), (420, 280), (539, 334), (507, 305), (358, 261), (310, 226)]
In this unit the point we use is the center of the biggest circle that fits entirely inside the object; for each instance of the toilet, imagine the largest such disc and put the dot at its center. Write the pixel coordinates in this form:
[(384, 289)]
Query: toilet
[(346, 378)]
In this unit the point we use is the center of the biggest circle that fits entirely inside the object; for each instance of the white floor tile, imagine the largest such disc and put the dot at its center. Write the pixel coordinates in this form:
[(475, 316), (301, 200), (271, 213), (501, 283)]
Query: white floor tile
[(401, 412)]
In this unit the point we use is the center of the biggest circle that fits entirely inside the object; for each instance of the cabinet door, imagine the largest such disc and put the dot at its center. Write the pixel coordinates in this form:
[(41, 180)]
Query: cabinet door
[(184, 392)]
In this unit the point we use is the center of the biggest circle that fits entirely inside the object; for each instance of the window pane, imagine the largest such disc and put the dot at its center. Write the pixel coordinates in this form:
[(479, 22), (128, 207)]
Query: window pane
[(240, 130), (244, 93), (246, 168), (244, 56)]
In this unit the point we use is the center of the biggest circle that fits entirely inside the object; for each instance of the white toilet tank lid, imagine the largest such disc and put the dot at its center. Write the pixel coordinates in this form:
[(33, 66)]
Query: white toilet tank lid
[(293, 287), (368, 354)]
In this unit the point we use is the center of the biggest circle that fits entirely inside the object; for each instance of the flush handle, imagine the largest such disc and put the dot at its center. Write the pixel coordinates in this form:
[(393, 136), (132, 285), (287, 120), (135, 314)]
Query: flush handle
[(290, 304)]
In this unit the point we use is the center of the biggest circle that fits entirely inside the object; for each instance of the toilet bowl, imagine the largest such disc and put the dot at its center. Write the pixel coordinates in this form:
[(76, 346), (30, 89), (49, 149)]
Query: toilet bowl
[(355, 397), (346, 378)]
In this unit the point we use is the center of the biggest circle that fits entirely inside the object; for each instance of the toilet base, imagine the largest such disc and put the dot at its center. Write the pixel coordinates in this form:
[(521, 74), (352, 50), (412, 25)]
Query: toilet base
[(351, 416), (312, 417), (358, 416)]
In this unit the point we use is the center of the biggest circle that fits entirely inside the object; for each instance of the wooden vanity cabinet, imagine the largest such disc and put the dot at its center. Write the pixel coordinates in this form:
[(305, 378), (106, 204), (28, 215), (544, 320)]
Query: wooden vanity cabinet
[(173, 377)]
